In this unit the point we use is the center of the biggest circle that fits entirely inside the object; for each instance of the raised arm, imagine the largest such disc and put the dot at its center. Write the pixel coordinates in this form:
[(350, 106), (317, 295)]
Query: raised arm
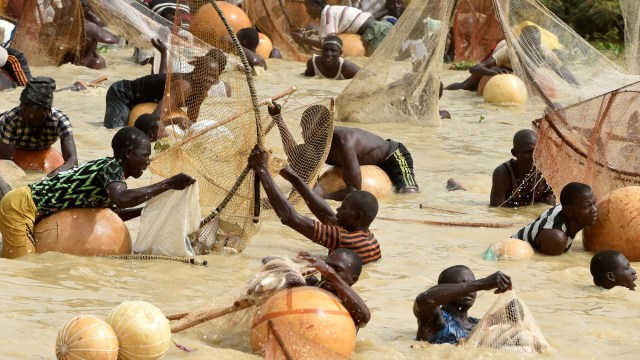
[(126, 198), (285, 211), (350, 299), (287, 139), (314, 202), (162, 48)]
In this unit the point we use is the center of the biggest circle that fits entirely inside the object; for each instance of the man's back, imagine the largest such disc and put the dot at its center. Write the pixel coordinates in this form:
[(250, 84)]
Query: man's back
[(370, 149)]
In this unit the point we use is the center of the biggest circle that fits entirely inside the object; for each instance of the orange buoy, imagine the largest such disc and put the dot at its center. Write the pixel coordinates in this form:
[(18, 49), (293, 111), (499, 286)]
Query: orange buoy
[(177, 116), (505, 89), (265, 46), (482, 84), (352, 45), (509, 249), (45, 160), (309, 311), (207, 25), (83, 232), (374, 180), (616, 227), (86, 337)]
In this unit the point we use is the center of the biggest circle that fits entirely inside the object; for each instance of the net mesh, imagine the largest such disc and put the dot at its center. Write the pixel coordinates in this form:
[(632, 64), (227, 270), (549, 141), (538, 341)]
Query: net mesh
[(557, 63), (50, 32), (508, 325), (631, 13), (470, 44), (224, 127), (277, 19), (401, 80)]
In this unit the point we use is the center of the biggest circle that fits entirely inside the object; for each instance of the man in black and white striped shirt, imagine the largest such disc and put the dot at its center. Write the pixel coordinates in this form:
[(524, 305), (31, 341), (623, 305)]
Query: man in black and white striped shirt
[(552, 233)]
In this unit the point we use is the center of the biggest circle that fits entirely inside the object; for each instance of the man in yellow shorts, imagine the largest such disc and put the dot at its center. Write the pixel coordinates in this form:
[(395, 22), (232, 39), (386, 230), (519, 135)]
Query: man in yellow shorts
[(98, 183)]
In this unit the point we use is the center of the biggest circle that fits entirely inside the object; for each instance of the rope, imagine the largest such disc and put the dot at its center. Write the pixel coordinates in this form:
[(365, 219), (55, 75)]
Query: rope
[(452, 223), (184, 259)]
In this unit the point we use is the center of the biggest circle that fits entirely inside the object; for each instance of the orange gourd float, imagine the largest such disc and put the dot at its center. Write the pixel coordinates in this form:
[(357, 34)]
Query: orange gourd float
[(352, 45), (265, 46), (374, 180), (86, 337), (207, 25), (39, 160)]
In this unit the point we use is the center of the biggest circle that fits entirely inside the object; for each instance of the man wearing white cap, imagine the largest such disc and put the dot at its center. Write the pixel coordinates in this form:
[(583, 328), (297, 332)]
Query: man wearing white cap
[(329, 64)]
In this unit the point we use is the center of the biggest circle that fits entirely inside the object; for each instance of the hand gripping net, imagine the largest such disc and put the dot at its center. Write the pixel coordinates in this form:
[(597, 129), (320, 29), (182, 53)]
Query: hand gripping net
[(631, 14), (595, 74), (508, 325), (216, 147), (475, 30), (400, 82), (50, 32)]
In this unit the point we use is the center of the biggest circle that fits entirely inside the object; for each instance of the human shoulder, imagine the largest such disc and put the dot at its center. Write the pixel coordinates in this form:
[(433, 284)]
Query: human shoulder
[(349, 69)]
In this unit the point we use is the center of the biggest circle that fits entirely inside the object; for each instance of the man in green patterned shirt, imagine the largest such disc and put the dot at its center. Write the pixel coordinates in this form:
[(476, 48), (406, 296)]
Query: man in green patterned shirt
[(98, 183)]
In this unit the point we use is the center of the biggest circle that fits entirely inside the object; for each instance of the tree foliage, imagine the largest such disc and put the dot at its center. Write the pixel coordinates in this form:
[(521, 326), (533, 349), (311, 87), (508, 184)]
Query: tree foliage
[(592, 19)]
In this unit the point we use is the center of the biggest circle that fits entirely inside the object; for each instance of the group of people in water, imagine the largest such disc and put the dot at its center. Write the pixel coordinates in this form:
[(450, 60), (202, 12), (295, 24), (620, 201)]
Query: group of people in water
[(441, 311)]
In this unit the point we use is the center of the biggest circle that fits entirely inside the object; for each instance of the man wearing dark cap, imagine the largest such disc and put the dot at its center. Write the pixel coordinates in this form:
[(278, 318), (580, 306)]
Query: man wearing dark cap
[(36, 124)]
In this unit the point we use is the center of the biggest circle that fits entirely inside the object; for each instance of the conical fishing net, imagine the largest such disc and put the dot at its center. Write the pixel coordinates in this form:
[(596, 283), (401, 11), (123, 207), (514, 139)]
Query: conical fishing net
[(277, 19), (400, 82), (595, 142), (220, 133), (631, 14), (551, 58), (475, 30), (508, 325), (50, 32)]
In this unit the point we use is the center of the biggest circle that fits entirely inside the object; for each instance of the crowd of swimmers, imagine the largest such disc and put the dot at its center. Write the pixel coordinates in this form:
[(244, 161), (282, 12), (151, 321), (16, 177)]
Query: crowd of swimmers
[(441, 311)]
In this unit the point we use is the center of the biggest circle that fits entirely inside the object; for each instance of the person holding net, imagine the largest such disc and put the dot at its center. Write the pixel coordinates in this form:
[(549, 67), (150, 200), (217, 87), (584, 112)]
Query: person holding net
[(330, 64), (442, 310), (518, 182), (98, 183), (536, 55), (187, 89), (348, 227), (552, 233), (611, 268)]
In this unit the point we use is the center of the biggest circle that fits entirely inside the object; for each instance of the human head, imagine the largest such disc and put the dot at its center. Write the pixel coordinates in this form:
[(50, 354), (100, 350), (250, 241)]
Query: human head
[(132, 148), (468, 26), (611, 268), (579, 203), (36, 100), (315, 121), (315, 7), (208, 67), (249, 38), (530, 39), (456, 275), (167, 9), (331, 51), (395, 8), (149, 124), (358, 210), (524, 142), (346, 263)]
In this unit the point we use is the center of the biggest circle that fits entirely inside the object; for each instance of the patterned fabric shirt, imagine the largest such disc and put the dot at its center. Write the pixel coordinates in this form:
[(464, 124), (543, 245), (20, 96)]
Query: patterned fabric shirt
[(15, 131), (362, 242), (452, 332), (80, 187), (551, 219)]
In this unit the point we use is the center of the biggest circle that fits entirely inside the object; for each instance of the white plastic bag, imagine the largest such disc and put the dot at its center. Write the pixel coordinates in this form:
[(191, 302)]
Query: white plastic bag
[(166, 221)]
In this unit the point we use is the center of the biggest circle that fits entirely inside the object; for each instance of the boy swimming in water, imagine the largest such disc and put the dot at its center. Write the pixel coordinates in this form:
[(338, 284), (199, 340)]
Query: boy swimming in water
[(611, 268), (98, 183), (346, 228), (442, 310), (552, 233)]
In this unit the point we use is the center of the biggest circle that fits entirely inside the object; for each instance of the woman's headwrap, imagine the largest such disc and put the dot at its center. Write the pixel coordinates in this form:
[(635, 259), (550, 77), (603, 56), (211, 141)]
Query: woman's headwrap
[(39, 92)]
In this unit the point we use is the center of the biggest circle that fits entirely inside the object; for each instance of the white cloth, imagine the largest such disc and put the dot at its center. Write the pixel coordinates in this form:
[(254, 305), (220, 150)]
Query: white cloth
[(166, 221), (319, 74), (377, 8), (341, 19), (7, 27), (3, 56)]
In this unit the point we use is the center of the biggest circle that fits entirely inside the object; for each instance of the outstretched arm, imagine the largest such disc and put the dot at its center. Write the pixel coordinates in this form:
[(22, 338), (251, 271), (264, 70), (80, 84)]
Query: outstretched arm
[(285, 211), (566, 74), (487, 68), (125, 198), (315, 202), (287, 139), (350, 299)]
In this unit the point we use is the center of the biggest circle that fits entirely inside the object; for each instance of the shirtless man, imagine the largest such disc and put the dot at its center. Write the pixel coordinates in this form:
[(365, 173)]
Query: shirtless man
[(95, 33), (330, 64), (518, 182)]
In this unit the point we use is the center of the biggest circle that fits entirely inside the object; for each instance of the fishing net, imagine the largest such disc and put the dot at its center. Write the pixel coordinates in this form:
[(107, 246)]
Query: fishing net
[(551, 58), (225, 128), (596, 142), (631, 14), (508, 325), (401, 80), (475, 30), (277, 19), (50, 32)]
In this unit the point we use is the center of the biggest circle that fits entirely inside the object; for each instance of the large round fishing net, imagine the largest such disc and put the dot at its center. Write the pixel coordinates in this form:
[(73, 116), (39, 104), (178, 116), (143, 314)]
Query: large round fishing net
[(631, 13), (508, 325), (400, 82), (50, 32), (475, 30)]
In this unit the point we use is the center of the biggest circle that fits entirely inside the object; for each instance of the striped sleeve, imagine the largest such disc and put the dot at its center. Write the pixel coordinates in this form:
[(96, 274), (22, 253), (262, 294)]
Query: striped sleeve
[(7, 129), (16, 70), (326, 235), (363, 243)]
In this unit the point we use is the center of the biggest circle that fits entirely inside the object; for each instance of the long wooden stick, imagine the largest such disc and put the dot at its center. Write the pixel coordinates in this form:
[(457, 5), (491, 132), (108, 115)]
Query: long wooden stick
[(198, 317), (452, 223)]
